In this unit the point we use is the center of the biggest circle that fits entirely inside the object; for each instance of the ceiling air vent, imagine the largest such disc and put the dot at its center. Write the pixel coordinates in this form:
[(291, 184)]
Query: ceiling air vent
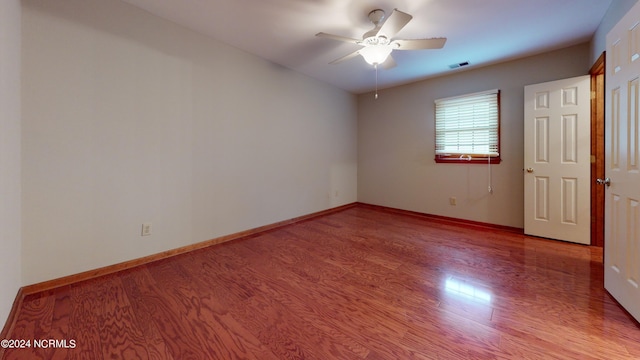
[(455, 66)]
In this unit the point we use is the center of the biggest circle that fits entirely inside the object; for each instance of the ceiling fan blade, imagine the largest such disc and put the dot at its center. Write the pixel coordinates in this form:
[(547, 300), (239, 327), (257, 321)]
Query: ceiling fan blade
[(396, 21), (337, 37), (420, 44), (346, 57), (389, 63)]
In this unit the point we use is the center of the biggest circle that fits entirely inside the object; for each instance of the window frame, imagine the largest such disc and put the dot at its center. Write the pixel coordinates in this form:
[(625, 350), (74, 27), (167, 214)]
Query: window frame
[(462, 158)]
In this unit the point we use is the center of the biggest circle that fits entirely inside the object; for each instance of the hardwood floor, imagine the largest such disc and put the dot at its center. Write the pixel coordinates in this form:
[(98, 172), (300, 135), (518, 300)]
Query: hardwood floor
[(362, 283)]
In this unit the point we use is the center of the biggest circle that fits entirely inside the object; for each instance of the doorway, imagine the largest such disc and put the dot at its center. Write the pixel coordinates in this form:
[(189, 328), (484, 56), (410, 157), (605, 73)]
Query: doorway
[(597, 73)]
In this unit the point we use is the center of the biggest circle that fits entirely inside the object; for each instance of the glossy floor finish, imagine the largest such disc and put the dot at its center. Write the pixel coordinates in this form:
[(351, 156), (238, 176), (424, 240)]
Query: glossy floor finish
[(362, 283)]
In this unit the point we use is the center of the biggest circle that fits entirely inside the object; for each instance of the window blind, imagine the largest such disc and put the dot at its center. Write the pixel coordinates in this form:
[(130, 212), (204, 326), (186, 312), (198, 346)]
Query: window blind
[(468, 125)]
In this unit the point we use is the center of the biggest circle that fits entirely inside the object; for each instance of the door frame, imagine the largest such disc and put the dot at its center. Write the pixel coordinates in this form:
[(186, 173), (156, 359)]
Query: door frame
[(597, 73)]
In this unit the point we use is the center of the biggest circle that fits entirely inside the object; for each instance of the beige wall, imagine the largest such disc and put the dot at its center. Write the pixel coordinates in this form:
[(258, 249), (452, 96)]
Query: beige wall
[(128, 118), (10, 267), (396, 165)]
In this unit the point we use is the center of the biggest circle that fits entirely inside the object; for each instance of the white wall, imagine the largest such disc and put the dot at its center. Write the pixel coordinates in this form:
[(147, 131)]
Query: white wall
[(10, 264), (128, 118), (396, 166)]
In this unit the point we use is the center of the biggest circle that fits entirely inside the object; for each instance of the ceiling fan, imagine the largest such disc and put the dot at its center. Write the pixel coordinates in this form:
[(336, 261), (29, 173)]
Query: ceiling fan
[(377, 43)]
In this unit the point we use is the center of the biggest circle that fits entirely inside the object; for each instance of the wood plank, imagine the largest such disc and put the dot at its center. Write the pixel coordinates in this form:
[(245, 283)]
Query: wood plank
[(33, 321)]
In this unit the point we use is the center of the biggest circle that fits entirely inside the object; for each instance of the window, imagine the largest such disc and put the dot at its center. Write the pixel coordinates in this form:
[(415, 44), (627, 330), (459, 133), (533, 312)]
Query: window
[(468, 128)]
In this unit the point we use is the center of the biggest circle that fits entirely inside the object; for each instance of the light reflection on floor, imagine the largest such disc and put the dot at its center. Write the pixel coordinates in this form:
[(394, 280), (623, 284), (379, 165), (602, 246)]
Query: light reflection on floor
[(467, 290)]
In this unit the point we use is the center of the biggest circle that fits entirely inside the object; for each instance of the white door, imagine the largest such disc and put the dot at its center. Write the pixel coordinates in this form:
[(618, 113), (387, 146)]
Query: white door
[(622, 199), (557, 149)]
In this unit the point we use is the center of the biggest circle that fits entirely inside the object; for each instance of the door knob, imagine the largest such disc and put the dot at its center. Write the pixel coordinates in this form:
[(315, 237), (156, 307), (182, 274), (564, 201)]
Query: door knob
[(606, 181), (529, 170)]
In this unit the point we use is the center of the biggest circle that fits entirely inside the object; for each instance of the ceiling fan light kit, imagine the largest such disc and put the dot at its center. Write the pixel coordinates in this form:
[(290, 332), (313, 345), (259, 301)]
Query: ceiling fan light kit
[(376, 54)]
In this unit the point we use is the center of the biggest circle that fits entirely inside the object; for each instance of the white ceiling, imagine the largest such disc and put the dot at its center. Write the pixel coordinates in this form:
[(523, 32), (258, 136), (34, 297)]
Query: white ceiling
[(481, 32)]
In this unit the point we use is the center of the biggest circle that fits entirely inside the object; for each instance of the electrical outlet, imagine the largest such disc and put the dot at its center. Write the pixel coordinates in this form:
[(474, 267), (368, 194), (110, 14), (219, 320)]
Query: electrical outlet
[(452, 201), (146, 229)]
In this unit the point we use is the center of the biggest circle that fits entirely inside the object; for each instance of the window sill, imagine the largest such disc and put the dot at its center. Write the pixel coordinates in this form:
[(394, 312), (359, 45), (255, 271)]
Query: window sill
[(467, 160)]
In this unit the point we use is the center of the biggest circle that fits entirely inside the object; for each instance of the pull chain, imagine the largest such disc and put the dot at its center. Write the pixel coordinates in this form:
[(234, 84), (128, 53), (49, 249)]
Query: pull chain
[(376, 67), (490, 188)]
